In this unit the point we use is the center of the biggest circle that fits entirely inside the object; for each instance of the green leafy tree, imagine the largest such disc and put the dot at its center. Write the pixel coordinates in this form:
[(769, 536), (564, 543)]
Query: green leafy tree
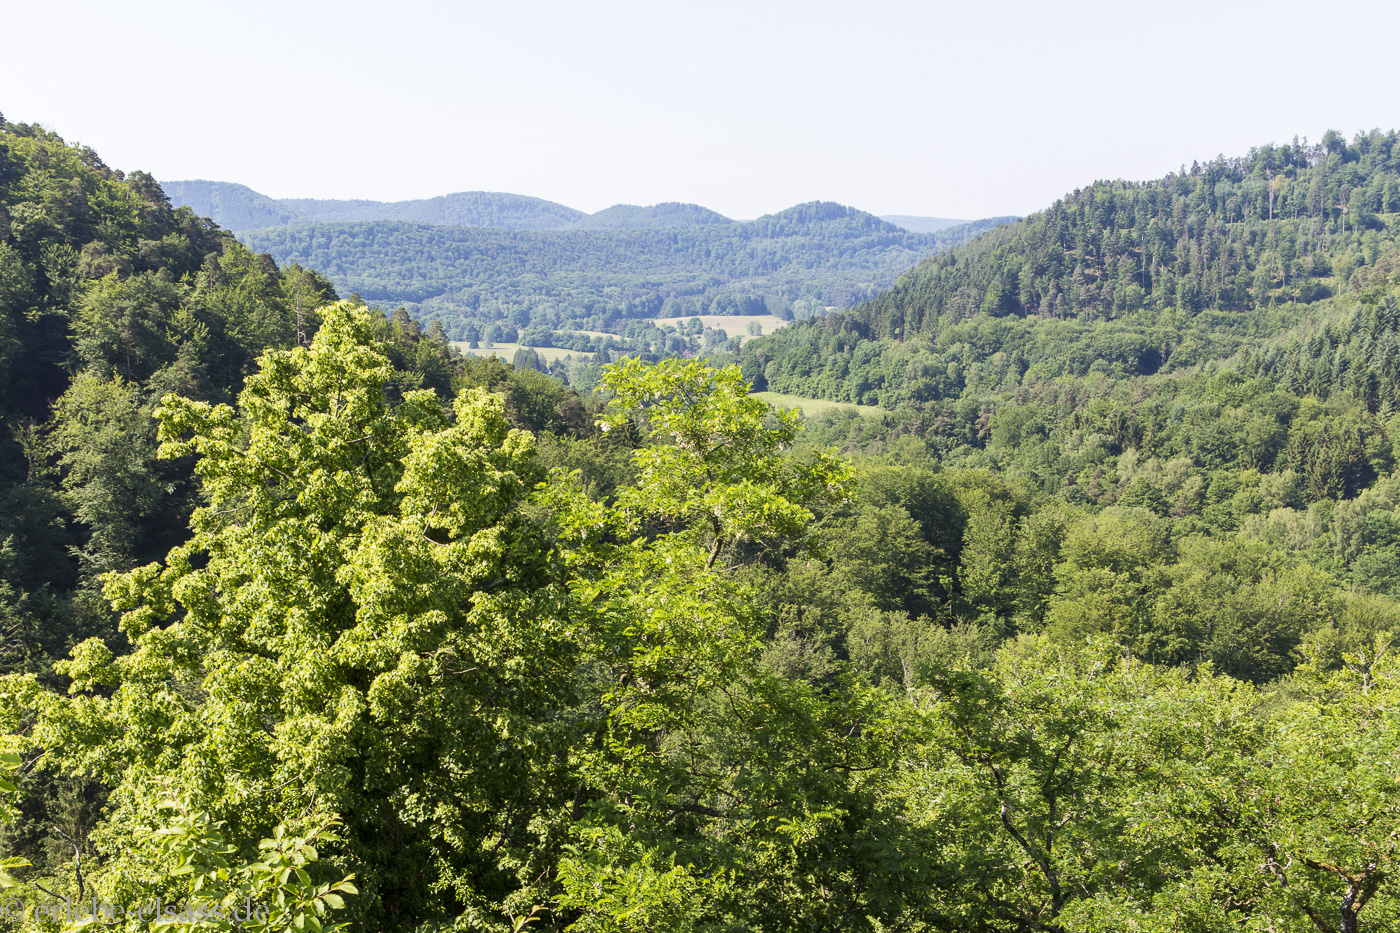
[(183, 873), (1315, 815), (735, 790), (363, 623), (106, 443), (9, 764), (1039, 776), (714, 468)]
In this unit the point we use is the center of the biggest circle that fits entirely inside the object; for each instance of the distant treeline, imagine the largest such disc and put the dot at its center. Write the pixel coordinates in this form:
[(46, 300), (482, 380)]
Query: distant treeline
[(792, 264)]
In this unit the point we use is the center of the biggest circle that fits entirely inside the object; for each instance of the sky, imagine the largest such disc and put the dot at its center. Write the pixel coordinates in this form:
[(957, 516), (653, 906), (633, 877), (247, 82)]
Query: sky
[(959, 110)]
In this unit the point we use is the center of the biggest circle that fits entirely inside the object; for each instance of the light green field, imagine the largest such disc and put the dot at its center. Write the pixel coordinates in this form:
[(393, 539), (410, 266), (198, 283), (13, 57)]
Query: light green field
[(735, 325), (506, 351), (815, 406)]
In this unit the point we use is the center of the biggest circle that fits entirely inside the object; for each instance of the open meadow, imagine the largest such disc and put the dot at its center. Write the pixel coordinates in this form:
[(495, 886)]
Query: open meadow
[(506, 351), (814, 406)]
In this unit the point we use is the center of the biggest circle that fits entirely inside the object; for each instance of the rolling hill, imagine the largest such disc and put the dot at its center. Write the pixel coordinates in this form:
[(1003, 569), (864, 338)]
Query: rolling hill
[(794, 263), (1223, 259), (232, 206), (632, 217)]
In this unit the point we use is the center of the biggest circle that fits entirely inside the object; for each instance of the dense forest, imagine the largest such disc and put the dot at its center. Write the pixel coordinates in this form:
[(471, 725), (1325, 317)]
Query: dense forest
[(302, 612), (1126, 278), (801, 261)]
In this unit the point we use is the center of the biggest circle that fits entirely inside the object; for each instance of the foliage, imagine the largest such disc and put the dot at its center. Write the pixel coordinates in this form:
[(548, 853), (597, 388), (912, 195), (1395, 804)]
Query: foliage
[(1320, 808), (1042, 772), (1067, 643), (357, 566), (9, 763)]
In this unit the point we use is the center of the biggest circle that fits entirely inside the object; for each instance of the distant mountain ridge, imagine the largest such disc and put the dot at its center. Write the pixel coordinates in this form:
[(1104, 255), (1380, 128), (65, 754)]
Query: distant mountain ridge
[(824, 215), (232, 206), (632, 217), (922, 224), (240, 208), (462, 209)]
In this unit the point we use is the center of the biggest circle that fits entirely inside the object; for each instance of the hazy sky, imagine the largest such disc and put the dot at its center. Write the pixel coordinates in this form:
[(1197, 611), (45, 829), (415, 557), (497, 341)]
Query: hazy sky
[(954, 110)]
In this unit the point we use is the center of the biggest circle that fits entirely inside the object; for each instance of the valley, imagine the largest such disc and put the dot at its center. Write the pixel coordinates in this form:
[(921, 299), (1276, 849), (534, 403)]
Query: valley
[(479, 259), (477, 563)]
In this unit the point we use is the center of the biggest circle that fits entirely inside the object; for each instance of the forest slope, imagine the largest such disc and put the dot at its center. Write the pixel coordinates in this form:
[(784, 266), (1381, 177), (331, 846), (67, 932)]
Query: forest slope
[(1130, 277)]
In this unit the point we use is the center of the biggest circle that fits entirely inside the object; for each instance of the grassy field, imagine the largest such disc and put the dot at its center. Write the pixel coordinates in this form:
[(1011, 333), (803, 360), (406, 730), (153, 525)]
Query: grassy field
[(506, 351), (814, 406), (735, 325)]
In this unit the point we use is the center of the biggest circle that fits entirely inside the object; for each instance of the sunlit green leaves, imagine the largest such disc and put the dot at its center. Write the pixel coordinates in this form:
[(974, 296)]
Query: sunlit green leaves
[(365, 624)]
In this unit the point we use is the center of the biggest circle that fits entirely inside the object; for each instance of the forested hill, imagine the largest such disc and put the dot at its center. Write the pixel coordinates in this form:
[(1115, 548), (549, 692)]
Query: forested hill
[(464, 208), (670, 214), (474, 259), (234, 207), (1134, 277), (812, 256)]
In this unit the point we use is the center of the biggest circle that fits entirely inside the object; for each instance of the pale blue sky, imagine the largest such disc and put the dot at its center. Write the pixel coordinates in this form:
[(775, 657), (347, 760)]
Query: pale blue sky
[(955, 110)]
